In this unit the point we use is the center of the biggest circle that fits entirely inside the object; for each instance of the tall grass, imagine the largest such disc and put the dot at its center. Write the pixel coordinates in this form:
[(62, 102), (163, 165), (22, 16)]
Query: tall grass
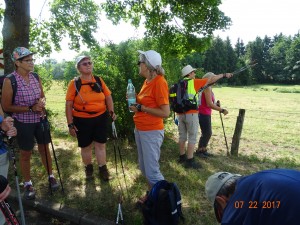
[(269, 140)]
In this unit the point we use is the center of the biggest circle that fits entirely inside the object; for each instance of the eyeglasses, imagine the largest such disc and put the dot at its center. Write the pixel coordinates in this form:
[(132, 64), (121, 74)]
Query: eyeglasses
[(139, 63), (28, 60), (86, 63)]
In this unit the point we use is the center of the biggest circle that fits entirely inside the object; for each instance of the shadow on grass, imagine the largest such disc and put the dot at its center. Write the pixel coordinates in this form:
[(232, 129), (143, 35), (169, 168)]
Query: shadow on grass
[(102, 198)]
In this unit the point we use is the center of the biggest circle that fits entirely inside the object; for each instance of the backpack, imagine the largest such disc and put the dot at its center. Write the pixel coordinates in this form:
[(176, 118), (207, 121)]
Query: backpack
[(163, 205), (95, 86), (14, 83), (179, 99)]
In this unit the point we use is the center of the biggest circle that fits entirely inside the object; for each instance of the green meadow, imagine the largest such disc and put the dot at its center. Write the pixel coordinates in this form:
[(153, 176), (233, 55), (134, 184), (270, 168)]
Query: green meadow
[(270, 139)]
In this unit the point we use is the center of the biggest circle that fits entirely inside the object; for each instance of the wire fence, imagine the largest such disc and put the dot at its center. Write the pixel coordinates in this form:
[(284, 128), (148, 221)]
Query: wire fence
[(269, 131)]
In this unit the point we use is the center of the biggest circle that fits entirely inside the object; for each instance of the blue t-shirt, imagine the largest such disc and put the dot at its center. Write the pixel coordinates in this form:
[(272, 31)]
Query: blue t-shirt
[(269, 197)]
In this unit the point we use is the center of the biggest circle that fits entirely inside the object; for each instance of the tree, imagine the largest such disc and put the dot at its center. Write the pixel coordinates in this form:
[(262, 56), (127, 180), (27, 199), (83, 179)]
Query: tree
[(240, 48), (293, 60), (15, 30)]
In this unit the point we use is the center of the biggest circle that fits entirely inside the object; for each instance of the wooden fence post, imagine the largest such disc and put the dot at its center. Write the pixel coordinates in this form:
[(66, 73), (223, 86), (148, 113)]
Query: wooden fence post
[(237, 133)]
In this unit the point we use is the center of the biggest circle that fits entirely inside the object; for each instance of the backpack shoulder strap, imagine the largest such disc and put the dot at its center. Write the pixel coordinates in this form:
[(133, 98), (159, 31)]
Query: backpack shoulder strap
[(36, 76), (175, 202), (98, 80), (77, 84), (13, 82)]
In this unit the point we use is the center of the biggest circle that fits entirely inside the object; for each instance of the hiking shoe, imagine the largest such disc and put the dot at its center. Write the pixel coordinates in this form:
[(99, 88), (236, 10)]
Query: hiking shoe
[(103, 173), (201, 154), (53, 183), (182, 159), (29, 193), (191, 163), (89, 171), (207, 154)]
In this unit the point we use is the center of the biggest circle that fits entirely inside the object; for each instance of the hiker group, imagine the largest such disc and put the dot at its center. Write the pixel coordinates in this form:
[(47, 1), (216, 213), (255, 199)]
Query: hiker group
[(89, 105)]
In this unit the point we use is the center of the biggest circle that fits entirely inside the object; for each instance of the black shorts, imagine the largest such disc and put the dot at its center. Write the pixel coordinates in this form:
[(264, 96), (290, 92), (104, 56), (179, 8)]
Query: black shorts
[(91, 129), (29, 132)]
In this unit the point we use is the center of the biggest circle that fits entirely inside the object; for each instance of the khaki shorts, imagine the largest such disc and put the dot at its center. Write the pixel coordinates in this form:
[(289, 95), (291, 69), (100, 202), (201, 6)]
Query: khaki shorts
[(188, 125)]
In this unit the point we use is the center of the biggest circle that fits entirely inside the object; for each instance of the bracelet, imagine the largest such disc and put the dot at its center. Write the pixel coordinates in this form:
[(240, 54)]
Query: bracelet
[(139, 107), (30, 108), (71, 125), (224, 75)]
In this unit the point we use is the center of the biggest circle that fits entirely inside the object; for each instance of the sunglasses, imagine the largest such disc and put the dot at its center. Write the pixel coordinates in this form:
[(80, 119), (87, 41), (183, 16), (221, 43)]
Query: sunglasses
[(139, 63), (86, 63), (28, 60)]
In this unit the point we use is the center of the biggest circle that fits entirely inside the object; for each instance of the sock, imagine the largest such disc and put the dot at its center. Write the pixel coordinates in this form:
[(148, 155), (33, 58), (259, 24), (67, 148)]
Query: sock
[(26, 183)]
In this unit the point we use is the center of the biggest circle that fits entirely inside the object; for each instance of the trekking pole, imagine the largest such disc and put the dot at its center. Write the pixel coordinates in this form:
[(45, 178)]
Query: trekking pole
[(120, 214), (54, 155), (116, 146), (252, 64), (7, 211), (13, 157), (9, 214), (219, 104), (43, 123)]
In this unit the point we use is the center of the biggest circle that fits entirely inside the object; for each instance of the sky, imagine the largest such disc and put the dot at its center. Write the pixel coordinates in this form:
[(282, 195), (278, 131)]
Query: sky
[(250, 18)]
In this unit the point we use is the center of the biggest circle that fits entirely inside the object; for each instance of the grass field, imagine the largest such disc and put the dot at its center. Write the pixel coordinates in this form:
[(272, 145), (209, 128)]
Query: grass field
[(270, 139)]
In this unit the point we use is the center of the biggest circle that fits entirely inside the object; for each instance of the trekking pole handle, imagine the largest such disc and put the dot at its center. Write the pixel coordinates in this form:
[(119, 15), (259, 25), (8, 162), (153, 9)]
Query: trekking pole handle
[(114, 130)]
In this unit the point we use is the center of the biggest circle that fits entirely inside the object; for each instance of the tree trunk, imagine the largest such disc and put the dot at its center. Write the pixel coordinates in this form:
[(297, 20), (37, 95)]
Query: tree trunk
[(15, 29)]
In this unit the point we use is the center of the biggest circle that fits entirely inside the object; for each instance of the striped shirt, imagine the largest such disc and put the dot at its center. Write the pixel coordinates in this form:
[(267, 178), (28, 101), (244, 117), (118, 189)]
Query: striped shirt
[(27, 95)]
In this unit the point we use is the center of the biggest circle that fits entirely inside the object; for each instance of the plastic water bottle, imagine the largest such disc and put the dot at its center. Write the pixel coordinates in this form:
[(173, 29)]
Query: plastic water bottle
[(131, 97)]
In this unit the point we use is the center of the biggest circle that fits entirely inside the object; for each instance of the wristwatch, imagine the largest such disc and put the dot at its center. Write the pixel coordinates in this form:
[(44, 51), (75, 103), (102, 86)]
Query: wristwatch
[(71, 125), (139, 107), (30, 108)]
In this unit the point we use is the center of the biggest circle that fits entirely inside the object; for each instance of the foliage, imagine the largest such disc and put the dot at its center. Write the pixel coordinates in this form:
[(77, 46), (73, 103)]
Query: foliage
[(78, 19), (185, 25)]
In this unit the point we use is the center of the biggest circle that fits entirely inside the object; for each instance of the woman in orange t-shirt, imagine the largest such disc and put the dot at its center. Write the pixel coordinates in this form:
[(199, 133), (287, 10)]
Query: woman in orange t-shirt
[(86, 112), (152, 107)]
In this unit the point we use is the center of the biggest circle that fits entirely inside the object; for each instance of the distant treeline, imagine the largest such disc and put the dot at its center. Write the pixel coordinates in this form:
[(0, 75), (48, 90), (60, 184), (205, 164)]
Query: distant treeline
[(277, 58)]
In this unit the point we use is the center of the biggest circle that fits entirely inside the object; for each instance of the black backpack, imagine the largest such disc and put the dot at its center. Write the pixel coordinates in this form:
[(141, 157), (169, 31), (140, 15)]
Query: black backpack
[(179, 99), (14, 83), (163, 205), (95, 86)]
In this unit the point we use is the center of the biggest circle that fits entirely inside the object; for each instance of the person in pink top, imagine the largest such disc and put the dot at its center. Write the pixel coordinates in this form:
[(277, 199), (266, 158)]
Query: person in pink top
[(28, 110), (188, 122), (207, 103)]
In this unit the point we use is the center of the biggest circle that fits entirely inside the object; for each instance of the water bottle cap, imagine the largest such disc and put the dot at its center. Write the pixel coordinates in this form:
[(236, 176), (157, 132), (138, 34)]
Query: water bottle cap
[(129, 81)]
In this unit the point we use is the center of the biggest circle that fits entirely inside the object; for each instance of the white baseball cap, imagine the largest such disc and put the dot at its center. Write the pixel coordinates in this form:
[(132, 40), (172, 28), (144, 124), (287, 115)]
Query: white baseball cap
[(215, 182), (186, 70), (153, 57), (213, 185), (80, 58)]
